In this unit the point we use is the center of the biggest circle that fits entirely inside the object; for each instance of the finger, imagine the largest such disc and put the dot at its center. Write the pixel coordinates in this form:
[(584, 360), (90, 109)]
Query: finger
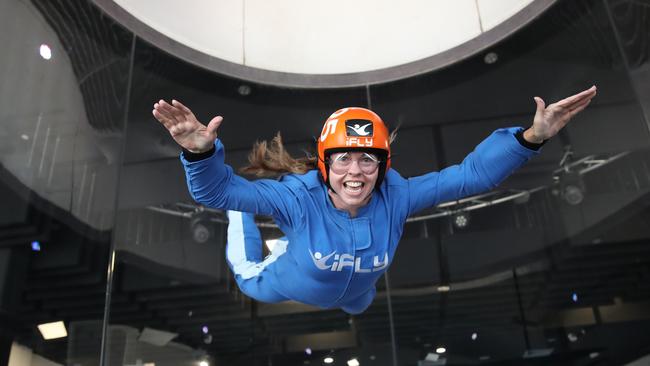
[(182, 107), (178, 113), (169, 110), (214, 125), (540, 104), (159, 107), (162, 118), (579, 108), (577, 98)]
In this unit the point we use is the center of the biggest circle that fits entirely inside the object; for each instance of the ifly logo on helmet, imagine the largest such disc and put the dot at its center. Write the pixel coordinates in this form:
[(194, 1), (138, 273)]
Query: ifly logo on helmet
[(340, 261), (358, 127), (359, 133)]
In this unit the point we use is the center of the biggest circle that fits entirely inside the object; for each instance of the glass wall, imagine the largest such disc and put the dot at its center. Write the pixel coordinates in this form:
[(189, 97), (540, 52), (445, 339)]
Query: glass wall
[(99, 234), (64, 71)]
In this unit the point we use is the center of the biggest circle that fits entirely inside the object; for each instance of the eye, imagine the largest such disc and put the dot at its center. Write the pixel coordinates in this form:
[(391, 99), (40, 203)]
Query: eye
[(369, 158), (342, 157)]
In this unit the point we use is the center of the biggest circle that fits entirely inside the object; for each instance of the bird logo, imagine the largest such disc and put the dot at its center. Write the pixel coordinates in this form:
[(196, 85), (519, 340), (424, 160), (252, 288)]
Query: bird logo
[(359, 127)]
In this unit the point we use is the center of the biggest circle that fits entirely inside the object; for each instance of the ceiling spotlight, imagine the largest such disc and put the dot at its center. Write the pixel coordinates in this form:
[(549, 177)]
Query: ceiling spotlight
[(244, 90), (573, 195), (353, 362), (574, 297), (201, 227), (53, 330), (571, 187), (205, 329), (441, 350), (490, 58), (45, 51), (328, 360), (308, 351), (204, 363), (474, 336), (593, 355), (24, 136), (461, 220)]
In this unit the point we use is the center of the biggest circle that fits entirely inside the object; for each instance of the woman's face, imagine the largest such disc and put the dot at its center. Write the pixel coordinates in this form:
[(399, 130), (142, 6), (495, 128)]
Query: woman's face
[(352, 177)]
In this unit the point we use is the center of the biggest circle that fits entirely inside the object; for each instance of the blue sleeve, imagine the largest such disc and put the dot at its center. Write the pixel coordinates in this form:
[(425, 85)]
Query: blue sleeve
[(491, 162), (213, 183)]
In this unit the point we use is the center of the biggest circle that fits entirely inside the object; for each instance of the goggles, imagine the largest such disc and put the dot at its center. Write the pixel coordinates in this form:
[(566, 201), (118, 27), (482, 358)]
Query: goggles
[(340, 163)]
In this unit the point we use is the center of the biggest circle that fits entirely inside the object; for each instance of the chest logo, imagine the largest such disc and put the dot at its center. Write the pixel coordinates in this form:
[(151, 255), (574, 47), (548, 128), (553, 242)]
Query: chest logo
[(341, 261)]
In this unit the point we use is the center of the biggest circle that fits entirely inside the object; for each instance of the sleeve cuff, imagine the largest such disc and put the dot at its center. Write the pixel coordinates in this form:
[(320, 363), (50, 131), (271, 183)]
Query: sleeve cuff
[(192, 157), (520, 137)]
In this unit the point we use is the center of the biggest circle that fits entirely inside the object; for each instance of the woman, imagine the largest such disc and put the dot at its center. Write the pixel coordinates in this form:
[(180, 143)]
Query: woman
[(344, 219)]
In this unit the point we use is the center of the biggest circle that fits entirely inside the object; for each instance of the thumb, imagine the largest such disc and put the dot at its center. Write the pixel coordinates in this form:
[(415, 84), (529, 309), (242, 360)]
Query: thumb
[(214, 125), (540, 104)]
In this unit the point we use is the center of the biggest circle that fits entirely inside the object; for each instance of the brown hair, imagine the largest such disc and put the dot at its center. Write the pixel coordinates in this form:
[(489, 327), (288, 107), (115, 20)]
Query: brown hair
[(272, 160)]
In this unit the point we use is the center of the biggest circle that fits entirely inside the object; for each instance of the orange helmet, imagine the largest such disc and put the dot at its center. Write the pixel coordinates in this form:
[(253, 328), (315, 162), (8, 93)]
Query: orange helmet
[(354, 128)]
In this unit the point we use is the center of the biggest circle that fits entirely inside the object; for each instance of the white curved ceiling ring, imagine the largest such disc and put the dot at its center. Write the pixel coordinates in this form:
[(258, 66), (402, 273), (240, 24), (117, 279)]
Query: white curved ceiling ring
[(335, 43)]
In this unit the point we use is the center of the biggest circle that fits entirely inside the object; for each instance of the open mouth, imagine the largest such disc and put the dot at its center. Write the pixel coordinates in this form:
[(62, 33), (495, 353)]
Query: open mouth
[(353, 187)]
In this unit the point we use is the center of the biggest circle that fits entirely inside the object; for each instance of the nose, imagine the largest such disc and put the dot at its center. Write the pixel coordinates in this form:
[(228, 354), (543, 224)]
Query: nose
[(354, 167)]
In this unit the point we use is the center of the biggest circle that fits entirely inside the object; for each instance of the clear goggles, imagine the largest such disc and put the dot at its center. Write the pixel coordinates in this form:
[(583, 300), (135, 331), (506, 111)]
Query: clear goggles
[(341, 162)]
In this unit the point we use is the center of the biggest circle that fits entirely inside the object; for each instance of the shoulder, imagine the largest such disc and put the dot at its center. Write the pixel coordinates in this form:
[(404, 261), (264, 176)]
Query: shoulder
[(393, 178), (308, 181)]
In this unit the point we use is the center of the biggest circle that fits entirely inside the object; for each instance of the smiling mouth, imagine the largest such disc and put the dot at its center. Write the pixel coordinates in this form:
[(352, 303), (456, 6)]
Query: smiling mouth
[(353, 187)]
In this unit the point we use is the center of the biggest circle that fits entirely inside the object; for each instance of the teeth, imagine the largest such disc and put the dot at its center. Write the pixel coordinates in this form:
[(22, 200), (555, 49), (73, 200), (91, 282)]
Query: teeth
[(353, 184)]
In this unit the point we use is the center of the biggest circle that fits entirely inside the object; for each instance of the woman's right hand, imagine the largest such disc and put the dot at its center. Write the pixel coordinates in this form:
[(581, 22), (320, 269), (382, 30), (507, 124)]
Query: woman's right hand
[(186, 130)]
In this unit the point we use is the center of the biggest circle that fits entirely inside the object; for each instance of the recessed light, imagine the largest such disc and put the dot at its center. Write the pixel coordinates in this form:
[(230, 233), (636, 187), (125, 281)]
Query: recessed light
[(441, 350), (244, 90), (24, 137), (53, 330), (474, 336), (490, 58), (353, 362), (328, 360), (45, 51)]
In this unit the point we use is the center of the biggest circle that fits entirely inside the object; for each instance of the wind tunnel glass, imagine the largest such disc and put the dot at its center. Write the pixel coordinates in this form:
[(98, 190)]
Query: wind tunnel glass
[(340, 163)]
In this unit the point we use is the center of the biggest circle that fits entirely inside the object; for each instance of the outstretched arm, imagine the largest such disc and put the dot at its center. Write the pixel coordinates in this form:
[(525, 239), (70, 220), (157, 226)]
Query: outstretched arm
[(496, 157), (213, 183)]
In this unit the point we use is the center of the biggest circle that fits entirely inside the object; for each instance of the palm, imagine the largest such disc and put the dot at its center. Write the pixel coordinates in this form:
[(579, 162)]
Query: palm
[(185, 129), (550, 120)]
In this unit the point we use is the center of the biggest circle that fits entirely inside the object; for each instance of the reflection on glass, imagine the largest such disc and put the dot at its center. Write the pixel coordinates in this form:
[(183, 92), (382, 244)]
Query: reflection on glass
[(58, 171)]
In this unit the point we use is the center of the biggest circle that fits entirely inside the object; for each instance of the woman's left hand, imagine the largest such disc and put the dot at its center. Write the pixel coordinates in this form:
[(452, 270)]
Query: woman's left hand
[(550, 120)]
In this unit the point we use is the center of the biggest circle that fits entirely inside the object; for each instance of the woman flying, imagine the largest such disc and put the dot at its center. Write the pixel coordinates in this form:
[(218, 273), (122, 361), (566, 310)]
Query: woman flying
[(343, 212)]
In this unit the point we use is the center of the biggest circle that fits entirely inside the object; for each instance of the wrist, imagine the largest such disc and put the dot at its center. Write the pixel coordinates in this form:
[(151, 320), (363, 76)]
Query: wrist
[(529, 135), (192, 156)]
